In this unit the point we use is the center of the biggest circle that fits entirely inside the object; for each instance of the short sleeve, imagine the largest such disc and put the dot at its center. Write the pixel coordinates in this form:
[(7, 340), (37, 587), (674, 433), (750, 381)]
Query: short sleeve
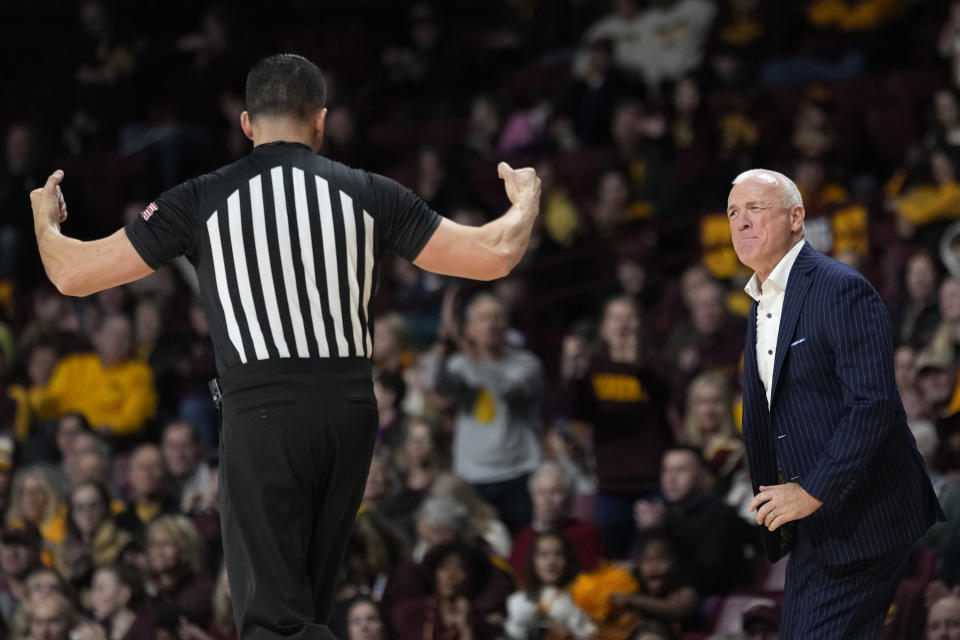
[(168, 227), (407, 221)]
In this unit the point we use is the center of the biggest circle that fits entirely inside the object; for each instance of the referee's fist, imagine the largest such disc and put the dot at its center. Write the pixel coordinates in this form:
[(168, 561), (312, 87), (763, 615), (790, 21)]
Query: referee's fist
[(521, 184), (47, 201)]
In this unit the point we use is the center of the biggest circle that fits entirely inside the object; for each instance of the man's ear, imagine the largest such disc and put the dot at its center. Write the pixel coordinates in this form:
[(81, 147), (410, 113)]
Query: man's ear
[(797, 215), (246, 125), (319, 122)]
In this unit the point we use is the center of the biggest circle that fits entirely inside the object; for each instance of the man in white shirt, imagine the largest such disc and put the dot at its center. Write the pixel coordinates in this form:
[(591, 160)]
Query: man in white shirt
[(830, 452)]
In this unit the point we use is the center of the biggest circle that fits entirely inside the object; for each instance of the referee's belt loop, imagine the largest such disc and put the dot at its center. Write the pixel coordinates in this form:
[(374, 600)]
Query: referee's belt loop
[(216, 392)]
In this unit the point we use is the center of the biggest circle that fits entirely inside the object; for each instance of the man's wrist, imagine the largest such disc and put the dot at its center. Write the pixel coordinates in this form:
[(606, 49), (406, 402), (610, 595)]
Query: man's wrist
[(44, 229), (529, 205)]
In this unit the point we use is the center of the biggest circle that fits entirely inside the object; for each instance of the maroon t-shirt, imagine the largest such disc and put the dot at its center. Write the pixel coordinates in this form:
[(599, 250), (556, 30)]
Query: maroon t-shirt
[(625, 403)]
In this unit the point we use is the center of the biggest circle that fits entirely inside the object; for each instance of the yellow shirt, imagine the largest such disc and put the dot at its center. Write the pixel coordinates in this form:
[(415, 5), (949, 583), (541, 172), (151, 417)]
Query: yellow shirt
[(927, 203), (853, 15), (121, 397)]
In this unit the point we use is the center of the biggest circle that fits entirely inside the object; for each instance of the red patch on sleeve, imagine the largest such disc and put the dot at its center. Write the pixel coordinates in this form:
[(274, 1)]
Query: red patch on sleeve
[(146, 213)]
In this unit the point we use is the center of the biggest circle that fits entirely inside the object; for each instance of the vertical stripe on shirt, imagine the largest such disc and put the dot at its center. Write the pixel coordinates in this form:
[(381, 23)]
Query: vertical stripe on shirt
[(353, 276), (306, 257), (263, 262), (330, 261), (243, 276), (220, 272)]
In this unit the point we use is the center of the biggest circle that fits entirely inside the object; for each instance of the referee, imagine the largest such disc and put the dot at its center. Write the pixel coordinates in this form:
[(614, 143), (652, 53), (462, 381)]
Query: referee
[(286, 243)]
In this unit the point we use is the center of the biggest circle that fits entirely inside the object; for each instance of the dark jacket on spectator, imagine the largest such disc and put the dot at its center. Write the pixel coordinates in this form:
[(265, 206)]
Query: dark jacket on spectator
[(710, 540)]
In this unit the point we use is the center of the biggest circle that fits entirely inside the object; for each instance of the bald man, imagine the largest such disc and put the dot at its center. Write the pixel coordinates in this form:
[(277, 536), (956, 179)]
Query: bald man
[(837, 477)]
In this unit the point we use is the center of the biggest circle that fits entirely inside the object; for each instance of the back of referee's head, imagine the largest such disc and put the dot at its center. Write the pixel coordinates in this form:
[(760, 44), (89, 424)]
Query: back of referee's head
[(285, 85)]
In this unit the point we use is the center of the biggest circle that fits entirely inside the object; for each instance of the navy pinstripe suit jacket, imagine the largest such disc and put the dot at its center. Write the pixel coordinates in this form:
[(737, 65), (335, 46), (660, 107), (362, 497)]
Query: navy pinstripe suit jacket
[(835, 419)]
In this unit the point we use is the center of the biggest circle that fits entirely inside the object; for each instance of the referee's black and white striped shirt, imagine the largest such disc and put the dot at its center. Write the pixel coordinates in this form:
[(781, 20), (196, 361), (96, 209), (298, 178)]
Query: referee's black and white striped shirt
[(286, 245)]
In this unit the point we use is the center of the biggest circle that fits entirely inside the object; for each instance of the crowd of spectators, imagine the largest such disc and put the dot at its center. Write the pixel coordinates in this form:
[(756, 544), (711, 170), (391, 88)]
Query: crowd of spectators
[(568, 431)]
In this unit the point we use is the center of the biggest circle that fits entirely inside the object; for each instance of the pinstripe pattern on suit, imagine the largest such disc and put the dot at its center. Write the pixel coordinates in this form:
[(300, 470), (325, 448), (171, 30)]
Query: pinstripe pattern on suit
[(835, 421)]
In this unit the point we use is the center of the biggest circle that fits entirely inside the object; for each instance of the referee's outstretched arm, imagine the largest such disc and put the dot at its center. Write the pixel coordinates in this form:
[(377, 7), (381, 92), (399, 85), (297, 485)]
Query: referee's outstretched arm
[(78, 268), (491, 251), (494, 249)]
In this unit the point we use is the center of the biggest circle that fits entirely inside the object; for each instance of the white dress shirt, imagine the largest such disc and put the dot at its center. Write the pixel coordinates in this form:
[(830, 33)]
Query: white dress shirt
[(769, 297)]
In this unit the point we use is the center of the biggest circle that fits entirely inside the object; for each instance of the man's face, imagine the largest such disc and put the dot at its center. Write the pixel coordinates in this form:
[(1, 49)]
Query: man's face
[(16, 558), (550, 499), (114, 339), (679, 475), (180, 452), (88, 467), (40, 364), (486, 324), (620, 325), (146, 472), (708, 406), (761, 226), (708, 310), (67, 429), (82, 460)]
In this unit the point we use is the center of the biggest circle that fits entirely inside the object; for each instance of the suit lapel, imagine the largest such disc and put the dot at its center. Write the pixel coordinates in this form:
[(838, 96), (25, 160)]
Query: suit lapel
[(751, 379), (797, 285), (755, 412)]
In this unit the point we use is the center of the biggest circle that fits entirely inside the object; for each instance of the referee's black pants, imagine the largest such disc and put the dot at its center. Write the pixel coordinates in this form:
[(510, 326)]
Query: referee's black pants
[(295, 447)]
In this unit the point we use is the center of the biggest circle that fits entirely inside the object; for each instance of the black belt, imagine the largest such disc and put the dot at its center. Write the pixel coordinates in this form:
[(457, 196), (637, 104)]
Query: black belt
[(267, 368)]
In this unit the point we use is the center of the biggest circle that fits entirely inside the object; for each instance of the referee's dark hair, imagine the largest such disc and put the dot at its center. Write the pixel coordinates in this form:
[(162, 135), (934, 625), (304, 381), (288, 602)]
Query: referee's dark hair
[(285, 85)]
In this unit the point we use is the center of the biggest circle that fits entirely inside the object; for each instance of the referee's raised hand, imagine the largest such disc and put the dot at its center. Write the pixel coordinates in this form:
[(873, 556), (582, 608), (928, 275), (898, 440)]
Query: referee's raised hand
[(49, 207), (521, 184)]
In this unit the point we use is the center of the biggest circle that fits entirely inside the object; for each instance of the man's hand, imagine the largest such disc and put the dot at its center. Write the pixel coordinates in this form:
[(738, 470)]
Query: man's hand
[(522, 185), (782, 503), (448, 332), (49, 207)]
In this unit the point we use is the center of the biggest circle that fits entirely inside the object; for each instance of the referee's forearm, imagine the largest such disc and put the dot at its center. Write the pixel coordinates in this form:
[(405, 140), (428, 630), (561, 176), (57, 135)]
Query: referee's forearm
[(511, 231), (56, 252)]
